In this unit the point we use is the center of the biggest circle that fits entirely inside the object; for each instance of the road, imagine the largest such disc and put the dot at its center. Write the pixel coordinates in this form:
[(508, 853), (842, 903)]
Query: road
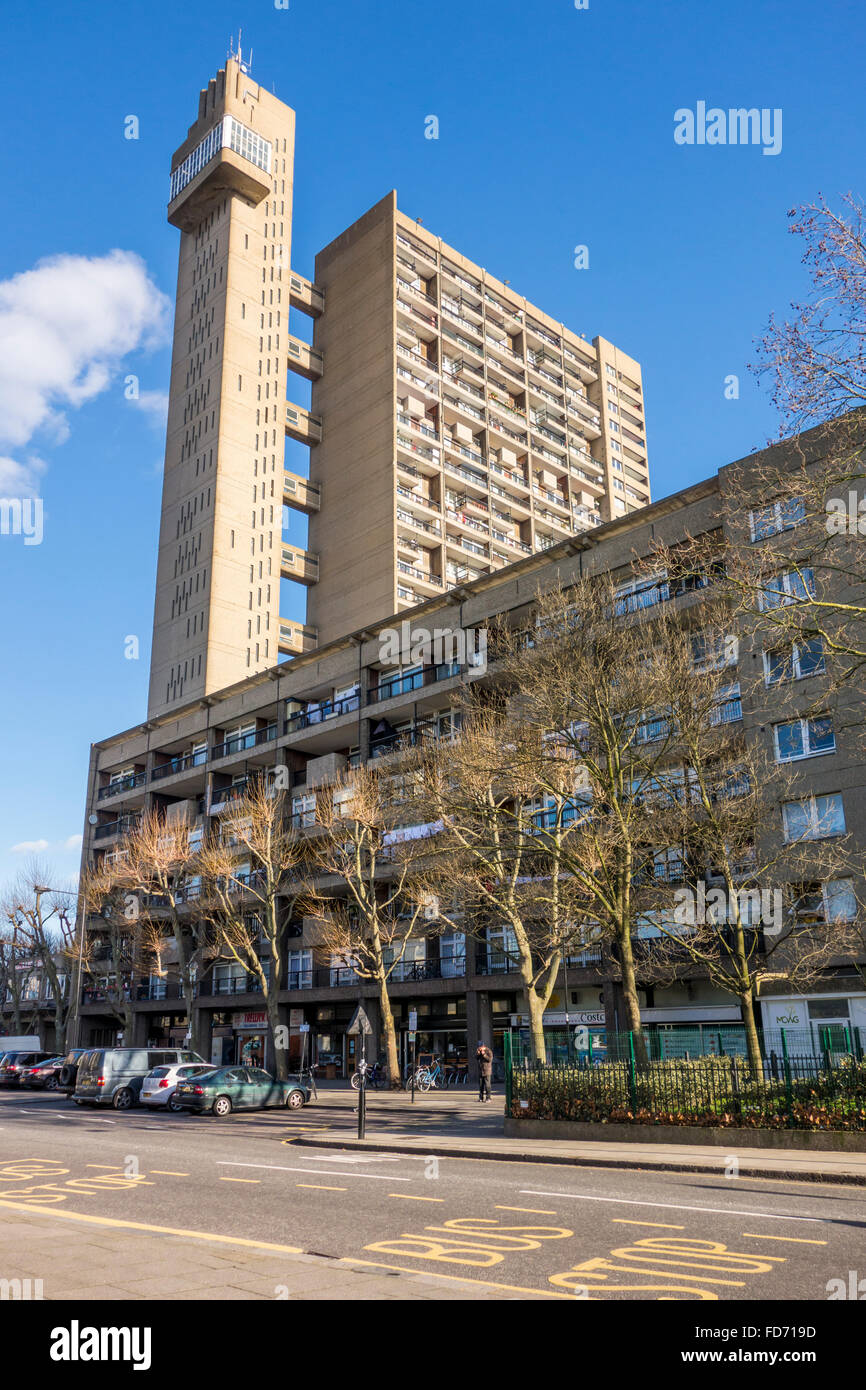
[(506, 1229)]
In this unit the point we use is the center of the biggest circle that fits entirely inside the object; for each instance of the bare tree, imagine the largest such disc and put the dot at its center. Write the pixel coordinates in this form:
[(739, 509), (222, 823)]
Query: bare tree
[(721, 882), (251, 878), (362, 858), (117, 944), (154, 870), (39, 921), (497, 859)]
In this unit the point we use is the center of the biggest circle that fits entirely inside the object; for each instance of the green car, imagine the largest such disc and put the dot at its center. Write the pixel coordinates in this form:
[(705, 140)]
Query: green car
[(239, 1088)]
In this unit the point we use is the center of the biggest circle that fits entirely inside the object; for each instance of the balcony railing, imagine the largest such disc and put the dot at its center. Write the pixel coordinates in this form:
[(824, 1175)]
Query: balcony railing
[(123, 784), (240, 742), (413, 680), (328, 709)]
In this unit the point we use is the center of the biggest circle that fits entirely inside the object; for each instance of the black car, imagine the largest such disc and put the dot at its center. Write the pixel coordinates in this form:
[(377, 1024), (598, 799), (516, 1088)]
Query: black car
[(14, 1063), (69, 1070), (43, 1076)]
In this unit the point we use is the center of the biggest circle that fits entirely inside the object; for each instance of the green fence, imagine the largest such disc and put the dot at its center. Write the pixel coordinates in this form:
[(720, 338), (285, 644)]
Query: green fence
[(823, 1088)]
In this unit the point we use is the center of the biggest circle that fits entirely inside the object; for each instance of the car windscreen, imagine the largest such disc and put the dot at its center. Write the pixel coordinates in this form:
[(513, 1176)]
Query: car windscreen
[(158, 1072)]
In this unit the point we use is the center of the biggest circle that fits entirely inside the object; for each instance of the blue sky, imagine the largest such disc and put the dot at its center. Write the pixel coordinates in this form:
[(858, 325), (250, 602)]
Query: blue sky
[(555, 129)]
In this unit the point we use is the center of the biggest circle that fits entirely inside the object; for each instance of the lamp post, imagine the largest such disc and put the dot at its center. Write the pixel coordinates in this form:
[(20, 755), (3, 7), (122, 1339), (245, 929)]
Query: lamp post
[(40, 888)]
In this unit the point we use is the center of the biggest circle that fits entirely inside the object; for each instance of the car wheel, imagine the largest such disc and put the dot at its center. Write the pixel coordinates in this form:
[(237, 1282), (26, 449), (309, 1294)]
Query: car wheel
[(123, 1099), (52, 1084), (222, 1106), (174, 1105), (295, 1100)]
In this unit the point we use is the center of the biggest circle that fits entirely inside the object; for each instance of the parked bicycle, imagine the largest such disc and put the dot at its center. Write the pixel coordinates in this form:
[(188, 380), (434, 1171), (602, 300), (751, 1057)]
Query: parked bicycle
[(375, 1075), (427, 1077)]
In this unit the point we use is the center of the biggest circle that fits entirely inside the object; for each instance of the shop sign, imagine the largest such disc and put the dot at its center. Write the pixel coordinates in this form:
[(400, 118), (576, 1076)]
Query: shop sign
[(250, 1020)]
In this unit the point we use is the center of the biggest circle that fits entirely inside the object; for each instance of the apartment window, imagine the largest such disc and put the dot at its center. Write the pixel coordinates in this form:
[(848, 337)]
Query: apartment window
[(303, 811), (776, 517), (814, 818), (795, 662), (300, 972), (501, 949), (804, 738), (834, 901), (791, 587), (609, 369), (640, 593), (711, 651)]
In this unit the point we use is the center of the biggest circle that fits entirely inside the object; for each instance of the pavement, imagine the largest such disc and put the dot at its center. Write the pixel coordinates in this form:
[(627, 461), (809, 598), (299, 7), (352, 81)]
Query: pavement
[(454, 1125)]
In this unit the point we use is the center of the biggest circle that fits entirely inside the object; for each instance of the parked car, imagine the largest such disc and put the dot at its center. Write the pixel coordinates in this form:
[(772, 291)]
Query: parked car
[(114, 1075), (69, 1070), (15, 1062), (44, 1076), (159, 1086), (240, 1088)]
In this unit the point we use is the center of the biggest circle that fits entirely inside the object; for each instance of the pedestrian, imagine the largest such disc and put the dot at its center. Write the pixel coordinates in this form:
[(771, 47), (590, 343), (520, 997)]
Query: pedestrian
[(484, 1058)]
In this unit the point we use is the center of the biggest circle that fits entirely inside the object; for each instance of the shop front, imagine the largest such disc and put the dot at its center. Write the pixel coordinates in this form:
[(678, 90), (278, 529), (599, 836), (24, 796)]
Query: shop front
[(814, 1023), (241, 1039), (440, 1036)]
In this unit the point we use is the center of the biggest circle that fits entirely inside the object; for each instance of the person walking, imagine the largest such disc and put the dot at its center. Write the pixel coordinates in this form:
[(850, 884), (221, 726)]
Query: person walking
[(484, 1058)]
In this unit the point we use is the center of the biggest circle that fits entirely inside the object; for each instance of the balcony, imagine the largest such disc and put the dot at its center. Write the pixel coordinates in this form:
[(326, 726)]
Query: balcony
[(425, 576), (418, 499), (414, 422), (241, 742), (122, 784), (414, 680), (121, 826), (407, 519), (320, 713)]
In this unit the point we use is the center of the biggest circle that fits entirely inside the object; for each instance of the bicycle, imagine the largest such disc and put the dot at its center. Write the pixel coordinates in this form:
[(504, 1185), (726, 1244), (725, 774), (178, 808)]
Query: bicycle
[(375, 1076), (427, 1077)]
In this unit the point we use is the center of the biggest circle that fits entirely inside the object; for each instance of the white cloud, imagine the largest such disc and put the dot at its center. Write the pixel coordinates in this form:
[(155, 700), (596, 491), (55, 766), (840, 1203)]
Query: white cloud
[(154, 404), (65, 326), (20, 479), (74, 842), (30, 847)]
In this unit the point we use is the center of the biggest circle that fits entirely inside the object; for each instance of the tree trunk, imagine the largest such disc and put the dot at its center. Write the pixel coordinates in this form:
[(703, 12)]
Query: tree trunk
[(630, 997), (392, 1060), (281, 1061), (535, 1008), (753, 1043)]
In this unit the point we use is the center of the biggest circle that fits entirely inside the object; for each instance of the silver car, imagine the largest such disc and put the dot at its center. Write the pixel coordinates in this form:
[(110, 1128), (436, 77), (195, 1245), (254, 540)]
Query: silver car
[(160, 1085)]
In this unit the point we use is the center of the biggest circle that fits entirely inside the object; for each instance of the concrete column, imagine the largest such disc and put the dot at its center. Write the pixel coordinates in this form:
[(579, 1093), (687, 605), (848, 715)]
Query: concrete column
[(479, 1027)]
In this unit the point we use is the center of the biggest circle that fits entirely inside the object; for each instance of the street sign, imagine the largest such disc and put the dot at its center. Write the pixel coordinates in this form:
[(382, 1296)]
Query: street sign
[(413, 1021), (412, 1038), (304, 1028), (360, 1023)]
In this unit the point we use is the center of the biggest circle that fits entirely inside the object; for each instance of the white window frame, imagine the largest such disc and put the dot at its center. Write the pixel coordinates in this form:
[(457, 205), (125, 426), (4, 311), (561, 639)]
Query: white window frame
[(776, 512), (805, 723), (785, 583), (815, 817)]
